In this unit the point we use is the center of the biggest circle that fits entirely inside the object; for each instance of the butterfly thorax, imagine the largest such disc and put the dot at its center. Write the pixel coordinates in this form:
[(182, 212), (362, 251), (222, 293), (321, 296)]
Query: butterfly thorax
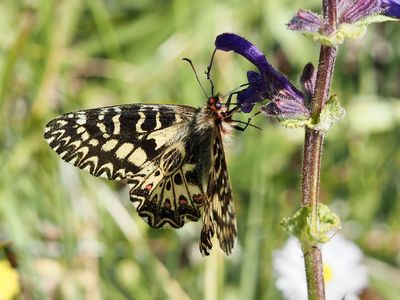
[(217, 114)]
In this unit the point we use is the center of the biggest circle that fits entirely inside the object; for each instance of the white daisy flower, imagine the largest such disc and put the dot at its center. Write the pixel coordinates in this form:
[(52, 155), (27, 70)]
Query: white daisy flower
[(345, 275)]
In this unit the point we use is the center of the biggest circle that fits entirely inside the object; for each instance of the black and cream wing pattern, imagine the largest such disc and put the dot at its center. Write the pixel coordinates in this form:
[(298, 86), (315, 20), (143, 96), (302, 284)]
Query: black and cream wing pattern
[(170, 155), (219, 215)]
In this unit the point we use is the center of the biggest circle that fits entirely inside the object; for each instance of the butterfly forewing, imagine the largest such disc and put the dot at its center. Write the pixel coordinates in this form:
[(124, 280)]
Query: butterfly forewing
[(116, 142)]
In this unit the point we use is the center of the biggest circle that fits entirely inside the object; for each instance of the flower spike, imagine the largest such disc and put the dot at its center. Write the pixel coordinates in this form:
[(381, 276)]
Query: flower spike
[(353, 17)]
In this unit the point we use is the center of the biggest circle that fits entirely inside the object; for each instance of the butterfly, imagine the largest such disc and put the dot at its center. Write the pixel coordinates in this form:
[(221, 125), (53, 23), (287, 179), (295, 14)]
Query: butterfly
[(171, 156)]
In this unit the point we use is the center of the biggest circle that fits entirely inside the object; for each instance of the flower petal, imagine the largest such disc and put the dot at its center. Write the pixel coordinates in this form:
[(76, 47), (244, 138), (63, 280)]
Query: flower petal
[(256, 92), (248, 97), (266, 85), (350, 11), (391, 8), (233, 42), (307, 80), (285, 108), (305, 21)]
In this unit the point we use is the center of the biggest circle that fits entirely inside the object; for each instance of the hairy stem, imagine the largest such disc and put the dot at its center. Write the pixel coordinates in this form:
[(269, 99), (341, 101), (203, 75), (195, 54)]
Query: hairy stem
[(313, 145), (329, 9)]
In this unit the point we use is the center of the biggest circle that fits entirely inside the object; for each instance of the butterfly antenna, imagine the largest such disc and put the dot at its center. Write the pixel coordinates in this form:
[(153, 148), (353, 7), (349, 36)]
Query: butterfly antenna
[(195, 74), (208, 72)]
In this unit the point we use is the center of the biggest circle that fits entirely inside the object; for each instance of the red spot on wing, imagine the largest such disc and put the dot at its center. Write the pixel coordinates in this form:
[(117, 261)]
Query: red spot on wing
[(167, 204), (149, 186), (182, 200), (198, 199)]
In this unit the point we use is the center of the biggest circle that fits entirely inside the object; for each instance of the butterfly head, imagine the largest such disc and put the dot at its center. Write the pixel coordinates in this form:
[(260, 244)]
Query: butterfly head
[(217, 106), (221, 115)]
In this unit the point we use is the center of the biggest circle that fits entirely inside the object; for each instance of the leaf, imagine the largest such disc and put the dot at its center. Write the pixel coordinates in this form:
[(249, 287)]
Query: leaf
[(330, 114)]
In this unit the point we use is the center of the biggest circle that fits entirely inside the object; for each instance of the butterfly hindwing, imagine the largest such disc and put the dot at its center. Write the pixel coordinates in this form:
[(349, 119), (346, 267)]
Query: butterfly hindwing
[(173, 192)]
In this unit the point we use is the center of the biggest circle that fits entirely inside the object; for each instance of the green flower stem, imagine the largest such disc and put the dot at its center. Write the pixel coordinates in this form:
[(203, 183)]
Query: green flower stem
[(313, 144)]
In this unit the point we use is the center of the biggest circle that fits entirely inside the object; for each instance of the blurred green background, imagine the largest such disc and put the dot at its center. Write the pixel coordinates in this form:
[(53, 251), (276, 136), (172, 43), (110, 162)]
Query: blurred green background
[(78, 237)]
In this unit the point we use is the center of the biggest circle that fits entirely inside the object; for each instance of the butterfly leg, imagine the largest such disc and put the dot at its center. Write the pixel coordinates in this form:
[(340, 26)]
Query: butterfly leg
[(237, 127), (246, 124), (228, 103)]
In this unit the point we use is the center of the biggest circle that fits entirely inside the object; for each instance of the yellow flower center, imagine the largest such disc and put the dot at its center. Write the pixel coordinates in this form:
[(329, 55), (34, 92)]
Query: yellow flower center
[(327, 273)]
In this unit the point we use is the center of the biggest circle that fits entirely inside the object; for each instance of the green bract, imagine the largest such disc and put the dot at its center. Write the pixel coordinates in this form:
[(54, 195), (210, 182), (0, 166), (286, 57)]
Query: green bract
[(347, 31), (295, 123), (310, 230), (331, 113)]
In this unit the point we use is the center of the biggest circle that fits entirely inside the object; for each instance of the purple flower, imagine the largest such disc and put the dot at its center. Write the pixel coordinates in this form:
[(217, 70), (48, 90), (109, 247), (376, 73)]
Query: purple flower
[(268, 83), (307, 21), (391, 8), (349, 11)]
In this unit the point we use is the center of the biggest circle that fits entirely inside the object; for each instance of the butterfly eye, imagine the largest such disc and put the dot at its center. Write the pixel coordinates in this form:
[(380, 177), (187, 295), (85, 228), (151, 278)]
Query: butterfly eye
[(218, 105)]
